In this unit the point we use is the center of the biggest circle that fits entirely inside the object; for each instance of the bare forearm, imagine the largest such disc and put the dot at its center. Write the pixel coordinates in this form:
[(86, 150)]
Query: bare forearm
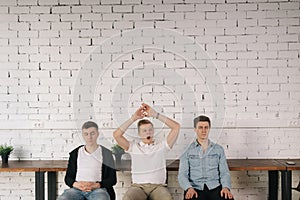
[(122, 129), (119, 133), (173, 125)]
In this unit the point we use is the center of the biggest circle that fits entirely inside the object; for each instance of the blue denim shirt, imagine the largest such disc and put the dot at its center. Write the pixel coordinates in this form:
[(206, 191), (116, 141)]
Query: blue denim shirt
[(197, 168)]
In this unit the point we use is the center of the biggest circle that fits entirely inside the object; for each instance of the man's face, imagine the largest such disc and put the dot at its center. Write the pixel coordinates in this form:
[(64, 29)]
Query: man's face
[(202, 130), (90, 135), (146, 131)]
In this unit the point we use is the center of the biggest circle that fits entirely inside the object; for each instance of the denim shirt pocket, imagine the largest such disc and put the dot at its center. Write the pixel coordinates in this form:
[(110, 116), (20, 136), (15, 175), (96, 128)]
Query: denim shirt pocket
[(194, 160), (213, 160)]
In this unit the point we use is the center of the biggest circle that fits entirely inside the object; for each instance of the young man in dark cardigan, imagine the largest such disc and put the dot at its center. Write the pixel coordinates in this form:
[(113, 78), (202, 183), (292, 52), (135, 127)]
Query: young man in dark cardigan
[(91, 173)]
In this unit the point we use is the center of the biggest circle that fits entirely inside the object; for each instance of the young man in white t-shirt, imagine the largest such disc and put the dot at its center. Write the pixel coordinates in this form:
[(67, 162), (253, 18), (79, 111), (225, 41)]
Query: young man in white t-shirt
[(91, 173), (148, 165)]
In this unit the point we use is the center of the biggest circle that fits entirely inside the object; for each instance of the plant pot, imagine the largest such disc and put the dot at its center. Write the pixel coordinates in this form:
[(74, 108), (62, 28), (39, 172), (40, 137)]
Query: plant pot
[(4, 159), (118, 158)]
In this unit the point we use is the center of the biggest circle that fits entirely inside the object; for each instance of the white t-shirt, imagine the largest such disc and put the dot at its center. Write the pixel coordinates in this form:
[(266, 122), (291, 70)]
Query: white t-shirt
[(89, 165), (148, 162)]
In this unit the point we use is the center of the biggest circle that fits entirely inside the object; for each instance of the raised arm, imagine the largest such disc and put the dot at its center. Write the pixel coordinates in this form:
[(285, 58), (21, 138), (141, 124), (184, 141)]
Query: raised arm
[(119, 132), (173, 125)]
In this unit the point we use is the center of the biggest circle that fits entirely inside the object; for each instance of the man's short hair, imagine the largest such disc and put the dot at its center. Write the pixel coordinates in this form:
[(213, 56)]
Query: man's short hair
[(201, 118), (89, 124), (142, 122)]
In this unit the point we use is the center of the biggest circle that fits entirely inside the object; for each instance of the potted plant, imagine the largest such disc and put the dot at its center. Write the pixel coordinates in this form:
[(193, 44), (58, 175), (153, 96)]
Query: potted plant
[(5, 152), (118, 151)]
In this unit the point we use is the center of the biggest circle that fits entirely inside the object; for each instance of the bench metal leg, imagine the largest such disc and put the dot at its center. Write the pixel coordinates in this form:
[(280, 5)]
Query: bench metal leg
[(286, 184), (39, 186), (273, 185), (51, 185)]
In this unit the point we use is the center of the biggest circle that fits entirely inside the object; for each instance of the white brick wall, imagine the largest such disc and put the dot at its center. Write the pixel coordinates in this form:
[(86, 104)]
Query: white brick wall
[(66, 61)]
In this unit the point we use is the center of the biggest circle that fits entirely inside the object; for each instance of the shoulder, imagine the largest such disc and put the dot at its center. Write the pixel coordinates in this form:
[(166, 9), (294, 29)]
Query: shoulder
[(218, 148), (74, 151), (105, 150), (190, 148)]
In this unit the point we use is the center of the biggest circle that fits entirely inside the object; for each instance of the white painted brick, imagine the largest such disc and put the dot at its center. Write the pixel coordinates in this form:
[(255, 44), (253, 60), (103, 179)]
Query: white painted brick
[(122, 8), (61, 9), (102, 9), (19, 41), (244, 55), (89, 33), (61, 26), (293, 13), (8, 18), (91, 17), (226, 23), (247, 55), (268, 6), (184, 8), (276, 30), (109, 33), (81, 9), (174, 16), (289, 21), (153, 16), (49, 17), (18, 10), (131, 1), (276, 14), (214, 31), (288, 38), (288, 54), (268, 22), (267, 55), (39, 9), (165, 24), (278, 46), (247, 6), (33, 66), (215, 15), (293, 62), (256, 14), (247, 22), (69, 17), (215, 47), (69, 33), (4, 26), (111, 17), (185, 24), (294, 46), (133, 16), (69, 2), (123, 25), (236, 15), (29, 50)]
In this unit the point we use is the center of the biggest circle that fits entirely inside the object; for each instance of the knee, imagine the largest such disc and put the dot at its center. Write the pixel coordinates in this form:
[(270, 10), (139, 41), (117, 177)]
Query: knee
[(166, 197), (60, 198), (100, 194), (127, 196)]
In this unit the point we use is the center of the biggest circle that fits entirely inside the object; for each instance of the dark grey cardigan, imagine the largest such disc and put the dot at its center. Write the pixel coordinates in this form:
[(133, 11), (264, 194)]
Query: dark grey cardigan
[(109, 178)]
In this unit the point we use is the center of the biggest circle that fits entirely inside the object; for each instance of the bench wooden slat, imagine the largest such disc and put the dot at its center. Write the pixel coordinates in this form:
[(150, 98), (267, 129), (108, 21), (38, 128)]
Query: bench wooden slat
[(172, 165)]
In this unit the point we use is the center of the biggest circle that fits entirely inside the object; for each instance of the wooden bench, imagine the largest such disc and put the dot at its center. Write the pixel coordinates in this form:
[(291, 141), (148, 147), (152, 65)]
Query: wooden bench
[(273, 166), (39, 167)]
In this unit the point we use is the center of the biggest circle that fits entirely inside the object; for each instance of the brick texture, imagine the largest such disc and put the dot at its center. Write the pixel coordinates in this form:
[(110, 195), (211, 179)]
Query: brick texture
[(67, 61)]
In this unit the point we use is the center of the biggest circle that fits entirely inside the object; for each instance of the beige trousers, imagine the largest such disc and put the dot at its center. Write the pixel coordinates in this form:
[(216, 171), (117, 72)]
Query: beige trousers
[(150, 191)]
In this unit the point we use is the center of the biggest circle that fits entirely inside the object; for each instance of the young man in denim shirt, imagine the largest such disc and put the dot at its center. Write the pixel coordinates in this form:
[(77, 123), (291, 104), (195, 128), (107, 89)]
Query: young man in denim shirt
[(203, 171)]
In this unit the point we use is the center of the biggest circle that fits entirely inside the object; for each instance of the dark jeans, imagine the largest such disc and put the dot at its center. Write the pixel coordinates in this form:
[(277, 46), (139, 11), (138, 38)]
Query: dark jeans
[(206, 194)]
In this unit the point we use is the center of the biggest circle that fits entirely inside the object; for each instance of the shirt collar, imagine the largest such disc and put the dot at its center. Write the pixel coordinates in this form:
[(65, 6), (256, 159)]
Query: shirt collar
[(210, 143), (142, 144)]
